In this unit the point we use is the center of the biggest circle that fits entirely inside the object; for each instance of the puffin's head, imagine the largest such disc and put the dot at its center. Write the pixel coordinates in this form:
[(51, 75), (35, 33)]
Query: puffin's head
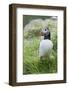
[(45, 33)]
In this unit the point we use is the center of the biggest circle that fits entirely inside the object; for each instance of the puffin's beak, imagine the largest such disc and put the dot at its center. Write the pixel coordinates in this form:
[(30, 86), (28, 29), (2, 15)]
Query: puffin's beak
[(41, 33)]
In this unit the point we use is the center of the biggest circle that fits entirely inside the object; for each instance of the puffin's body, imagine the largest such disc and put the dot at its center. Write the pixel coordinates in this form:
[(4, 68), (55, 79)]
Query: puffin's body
[(45, 47), (46, 44)]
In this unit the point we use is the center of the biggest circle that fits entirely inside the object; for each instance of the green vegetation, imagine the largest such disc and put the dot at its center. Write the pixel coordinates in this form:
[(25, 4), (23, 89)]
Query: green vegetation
[(32, 63)]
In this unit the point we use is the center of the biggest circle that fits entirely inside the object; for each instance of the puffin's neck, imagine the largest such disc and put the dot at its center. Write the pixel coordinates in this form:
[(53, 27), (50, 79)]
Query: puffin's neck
[(46, 37)]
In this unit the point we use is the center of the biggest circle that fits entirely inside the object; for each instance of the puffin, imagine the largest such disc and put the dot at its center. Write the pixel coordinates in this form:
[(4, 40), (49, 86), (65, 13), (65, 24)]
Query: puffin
[(46, 44)]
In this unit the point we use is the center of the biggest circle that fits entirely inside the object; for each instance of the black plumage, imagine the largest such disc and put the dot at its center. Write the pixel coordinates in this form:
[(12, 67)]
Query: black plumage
[(47, 35)]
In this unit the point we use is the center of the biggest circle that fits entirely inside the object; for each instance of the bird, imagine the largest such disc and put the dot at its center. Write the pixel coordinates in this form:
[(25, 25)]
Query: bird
[(46, 44)]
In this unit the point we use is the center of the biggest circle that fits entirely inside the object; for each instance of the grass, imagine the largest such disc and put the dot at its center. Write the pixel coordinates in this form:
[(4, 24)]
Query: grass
[(32, 63)]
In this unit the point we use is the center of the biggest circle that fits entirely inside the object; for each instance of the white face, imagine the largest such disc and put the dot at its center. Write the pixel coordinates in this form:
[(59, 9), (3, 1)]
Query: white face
[(44, 31)]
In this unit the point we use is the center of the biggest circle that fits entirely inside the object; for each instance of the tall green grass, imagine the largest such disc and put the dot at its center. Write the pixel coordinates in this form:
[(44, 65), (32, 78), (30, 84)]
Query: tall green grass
[(32, 63)]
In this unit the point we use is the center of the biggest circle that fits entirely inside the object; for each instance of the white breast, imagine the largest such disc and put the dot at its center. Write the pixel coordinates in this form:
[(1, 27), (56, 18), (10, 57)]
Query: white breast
[(45, 47)]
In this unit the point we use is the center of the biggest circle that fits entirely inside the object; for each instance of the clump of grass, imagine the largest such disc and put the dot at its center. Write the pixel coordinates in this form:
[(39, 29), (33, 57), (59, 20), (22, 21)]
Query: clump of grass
[(32, 63)]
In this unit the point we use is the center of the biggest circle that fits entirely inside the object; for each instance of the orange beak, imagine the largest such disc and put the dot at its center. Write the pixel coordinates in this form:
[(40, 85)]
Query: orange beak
[(41, 33)]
